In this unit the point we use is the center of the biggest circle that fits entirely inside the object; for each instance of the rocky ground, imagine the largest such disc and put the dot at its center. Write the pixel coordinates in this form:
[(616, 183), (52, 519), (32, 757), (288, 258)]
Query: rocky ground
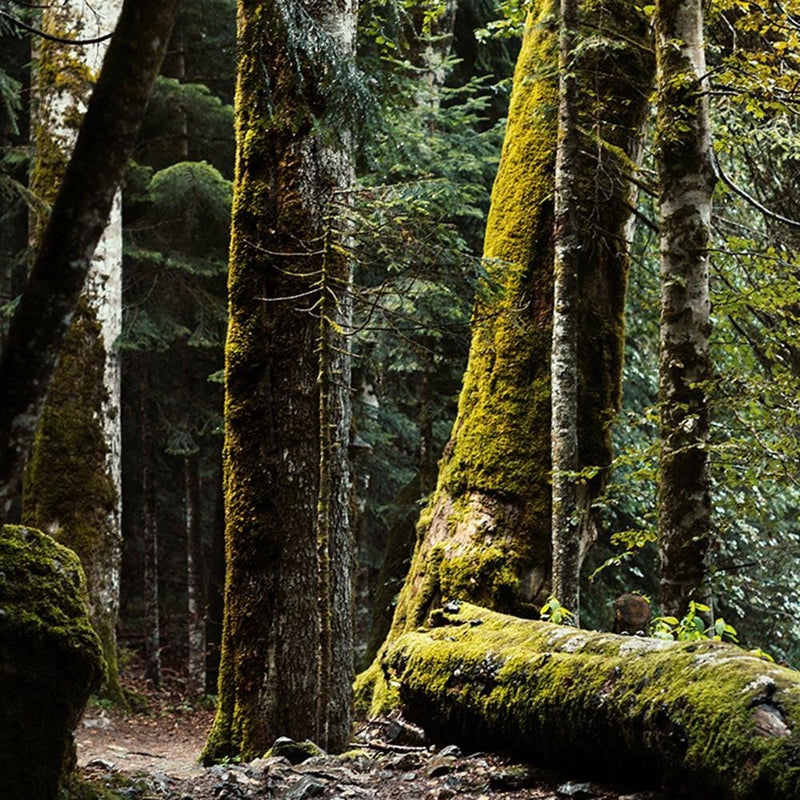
[(153, 756)]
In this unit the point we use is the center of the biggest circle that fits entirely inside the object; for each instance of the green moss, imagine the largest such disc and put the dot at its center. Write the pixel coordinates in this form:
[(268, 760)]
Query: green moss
[(60, 74), (500, 441), (682, 713), (50, 659)]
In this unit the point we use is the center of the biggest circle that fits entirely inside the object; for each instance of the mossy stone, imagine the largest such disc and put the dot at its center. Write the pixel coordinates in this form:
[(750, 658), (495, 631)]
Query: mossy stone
[(50, 662), (295, 752)]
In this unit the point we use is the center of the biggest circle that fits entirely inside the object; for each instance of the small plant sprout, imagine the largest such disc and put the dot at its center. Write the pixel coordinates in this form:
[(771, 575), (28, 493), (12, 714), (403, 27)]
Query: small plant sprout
[(553, 611)]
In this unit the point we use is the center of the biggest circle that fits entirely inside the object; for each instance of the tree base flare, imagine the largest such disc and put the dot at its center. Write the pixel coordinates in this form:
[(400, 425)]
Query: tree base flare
[(701, 715)]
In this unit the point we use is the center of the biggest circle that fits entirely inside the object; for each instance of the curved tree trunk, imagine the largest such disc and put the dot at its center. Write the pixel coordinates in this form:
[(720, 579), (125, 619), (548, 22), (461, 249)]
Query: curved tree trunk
[(686, 183), (76, 222), (73, 486), (287, 660), (486, 534), (704, 717)]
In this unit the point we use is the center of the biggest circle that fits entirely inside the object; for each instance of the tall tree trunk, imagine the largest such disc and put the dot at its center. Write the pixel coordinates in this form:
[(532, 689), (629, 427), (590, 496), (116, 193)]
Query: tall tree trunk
[(152, 627), (76, 222), (564, 357), (73, 486), (486, 534), (281, 639), (686, 183), (195, 584)]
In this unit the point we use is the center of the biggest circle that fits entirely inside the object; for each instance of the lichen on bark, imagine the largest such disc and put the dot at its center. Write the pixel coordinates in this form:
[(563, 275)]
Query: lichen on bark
[(686, 184)]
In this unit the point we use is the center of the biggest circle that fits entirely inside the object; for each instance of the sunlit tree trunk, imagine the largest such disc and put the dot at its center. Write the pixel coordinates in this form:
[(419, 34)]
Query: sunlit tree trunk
[(287, 660), (686, 183), (73, 487)]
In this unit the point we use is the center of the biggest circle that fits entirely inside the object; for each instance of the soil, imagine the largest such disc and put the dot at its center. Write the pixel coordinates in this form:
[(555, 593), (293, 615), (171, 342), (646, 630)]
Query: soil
[(152, 755)]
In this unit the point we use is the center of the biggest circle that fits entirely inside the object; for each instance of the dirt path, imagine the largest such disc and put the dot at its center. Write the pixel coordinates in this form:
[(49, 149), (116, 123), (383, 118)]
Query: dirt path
[(168, 743)]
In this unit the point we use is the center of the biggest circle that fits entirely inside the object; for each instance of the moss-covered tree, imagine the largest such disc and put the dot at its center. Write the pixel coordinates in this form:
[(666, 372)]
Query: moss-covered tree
[(73, 485), (486, 533), (686, 183), (287, 639)]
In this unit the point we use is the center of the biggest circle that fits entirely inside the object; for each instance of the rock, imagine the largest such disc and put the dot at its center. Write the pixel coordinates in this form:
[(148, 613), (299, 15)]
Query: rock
[(439, 766), (631, 614), (451, 751), (50, 660), (102, 721), (101, 763), (404, 761), (512, 778), (579, 791), (296, 752), (304, 788)]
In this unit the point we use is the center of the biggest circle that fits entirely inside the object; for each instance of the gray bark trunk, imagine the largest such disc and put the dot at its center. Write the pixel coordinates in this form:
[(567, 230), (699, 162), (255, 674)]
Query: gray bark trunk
[(564, 358), (686, 183), (79, 432), (195, 593)]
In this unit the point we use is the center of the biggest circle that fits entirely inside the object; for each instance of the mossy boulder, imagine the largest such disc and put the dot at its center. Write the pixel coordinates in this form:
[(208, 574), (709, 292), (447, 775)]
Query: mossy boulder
[(50, 662), (295, 752), (704, 717)]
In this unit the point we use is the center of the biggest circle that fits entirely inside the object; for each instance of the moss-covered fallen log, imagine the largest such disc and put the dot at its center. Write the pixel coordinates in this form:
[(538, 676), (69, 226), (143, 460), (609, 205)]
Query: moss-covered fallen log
[(704, 716)]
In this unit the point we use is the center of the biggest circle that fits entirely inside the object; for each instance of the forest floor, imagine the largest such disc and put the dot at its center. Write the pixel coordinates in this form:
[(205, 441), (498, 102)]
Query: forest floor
[(152, 755)]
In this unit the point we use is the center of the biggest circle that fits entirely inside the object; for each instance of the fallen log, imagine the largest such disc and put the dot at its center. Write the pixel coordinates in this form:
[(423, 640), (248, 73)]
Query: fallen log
[(702, 716)]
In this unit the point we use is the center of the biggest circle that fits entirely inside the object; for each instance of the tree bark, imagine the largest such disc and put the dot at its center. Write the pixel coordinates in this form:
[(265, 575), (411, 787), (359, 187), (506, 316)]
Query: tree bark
[(195, 584), (152, 626), (73, 487), (704, 717), (564, 356), (686, 183), (287, 664), (485, 536), (77, 220)]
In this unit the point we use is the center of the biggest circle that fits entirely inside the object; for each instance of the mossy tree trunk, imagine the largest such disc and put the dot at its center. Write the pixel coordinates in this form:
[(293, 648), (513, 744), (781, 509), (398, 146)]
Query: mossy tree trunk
[(287, 636), (486, 534), (686, 183), (702, 717), (564, 355), (73, 486)]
